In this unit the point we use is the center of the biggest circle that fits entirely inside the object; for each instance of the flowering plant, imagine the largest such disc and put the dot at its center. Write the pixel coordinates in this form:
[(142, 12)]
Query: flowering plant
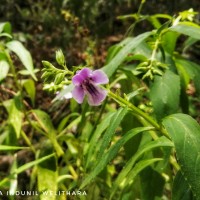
[(125, 130), (154, 108)]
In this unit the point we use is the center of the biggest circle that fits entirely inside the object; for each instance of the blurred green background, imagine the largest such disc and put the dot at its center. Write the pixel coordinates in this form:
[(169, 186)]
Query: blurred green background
[(73, 25)]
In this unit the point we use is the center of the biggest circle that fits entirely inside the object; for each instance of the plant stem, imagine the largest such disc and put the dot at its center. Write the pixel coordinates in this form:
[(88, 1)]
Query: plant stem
[(137, 111), (13, 70), (23, 134), (73, 172), (153, 55), (140, 8)]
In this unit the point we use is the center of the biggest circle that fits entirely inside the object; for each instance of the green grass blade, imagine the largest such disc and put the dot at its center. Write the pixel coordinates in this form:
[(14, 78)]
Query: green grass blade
[(33, 163), (111, 153)]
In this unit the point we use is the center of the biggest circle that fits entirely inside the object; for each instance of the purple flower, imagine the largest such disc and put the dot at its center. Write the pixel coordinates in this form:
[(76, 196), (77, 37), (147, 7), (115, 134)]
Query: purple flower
[(87, 83)]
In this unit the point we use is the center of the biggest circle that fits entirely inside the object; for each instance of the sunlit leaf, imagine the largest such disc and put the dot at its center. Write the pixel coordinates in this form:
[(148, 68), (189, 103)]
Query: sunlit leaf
[(5, 35), (47, 178), (5, 27), (47, 183), (187, 28), (23, 54), (15, 111), (4, 68), (29, 86)]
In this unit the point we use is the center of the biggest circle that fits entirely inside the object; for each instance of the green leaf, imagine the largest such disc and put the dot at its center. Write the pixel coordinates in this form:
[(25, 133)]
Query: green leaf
[(47, 175), (32, 163), (189, 29), (113, 50), (25, 72), (5, 35), (138, 168), (129, 122), (161, 142), (47, 183), (169, 42), (65, 120), (5, 27), (185, 133), (182, 66), (152, 184), (181, 189), (23, 54), (111, 153), (165, 94), (29, 86), (101, 127), (14, 109), (185, 80), (192, 69), (4, 68), (3, 56), (143, 49), (45, 123), (112, 66), (115, 122), (188, 43)]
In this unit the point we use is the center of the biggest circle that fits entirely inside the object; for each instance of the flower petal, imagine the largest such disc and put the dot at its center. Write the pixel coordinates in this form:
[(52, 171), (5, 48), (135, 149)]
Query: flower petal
[(78, 94), (85, 72), (77, 80), (95, 99), (81, 76), (99, 77)]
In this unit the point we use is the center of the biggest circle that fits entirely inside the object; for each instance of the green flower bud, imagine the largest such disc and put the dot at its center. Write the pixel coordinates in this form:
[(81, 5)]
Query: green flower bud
[(60, 57)]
